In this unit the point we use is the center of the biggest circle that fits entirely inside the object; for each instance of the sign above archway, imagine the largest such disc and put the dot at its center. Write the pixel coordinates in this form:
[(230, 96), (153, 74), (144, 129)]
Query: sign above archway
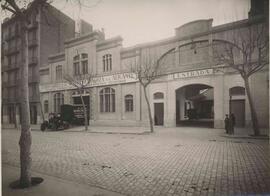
[(189, 74)]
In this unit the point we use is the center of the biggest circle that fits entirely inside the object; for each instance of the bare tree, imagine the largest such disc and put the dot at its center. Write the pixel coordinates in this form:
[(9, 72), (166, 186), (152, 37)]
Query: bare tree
[(147, 70), (23, 10), (25, 138), (246, 52), (80, 82)]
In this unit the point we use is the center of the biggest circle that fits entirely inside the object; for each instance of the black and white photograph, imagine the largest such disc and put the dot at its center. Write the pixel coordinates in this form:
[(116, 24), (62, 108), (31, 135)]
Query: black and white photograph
[(135, 98)]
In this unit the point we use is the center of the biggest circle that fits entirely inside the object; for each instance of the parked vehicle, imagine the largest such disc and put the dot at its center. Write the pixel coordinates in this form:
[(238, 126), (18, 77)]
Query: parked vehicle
[(70, 115), (55, 122)]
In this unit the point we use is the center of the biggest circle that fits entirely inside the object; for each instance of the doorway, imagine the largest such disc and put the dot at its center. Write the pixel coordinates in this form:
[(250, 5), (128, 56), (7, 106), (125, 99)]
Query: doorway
[(237, 105), (159, 113), (238, 109), (86, 99), (195, 105)]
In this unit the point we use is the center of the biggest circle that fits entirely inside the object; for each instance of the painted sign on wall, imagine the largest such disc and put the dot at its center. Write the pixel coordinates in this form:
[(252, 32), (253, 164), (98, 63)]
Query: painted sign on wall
[(96, 81), (189, 74)]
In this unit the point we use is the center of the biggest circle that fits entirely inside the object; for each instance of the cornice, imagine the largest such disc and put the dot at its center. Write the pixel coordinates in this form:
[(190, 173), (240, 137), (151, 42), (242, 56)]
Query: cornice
[(109, 43), (56, 57), (82, 39), (215, 29)]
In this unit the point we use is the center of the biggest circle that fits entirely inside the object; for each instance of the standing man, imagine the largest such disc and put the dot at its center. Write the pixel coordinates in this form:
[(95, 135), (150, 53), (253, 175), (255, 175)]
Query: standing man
[(232, 123), (226, 122)]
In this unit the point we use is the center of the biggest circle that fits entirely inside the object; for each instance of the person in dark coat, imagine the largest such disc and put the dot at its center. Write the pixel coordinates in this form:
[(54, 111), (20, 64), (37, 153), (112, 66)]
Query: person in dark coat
[(232, 123), (226, 122)]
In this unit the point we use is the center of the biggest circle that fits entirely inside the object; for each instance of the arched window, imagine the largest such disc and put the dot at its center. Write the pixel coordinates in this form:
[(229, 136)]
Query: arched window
[(84, 61), (76, 65), (129, 103), (46, 106), (58, 101), (158, 95), (107, 62), (59, 72), (80, 64), (107, 100)]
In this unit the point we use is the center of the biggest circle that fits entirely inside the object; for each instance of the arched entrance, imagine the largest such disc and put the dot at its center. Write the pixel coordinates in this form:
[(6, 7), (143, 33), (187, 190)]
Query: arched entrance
[(195, 105)]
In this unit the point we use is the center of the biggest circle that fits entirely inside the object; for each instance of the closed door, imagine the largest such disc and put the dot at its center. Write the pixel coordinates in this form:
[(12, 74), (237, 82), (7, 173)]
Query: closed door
[(238, 109), (159, 113)]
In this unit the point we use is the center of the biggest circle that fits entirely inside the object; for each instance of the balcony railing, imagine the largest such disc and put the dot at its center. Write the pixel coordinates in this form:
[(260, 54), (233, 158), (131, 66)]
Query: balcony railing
[(4, 83), (33, 60), (32, 42), (12, 35), (33, 79), (12, 50), (10, 67), (33, 25)]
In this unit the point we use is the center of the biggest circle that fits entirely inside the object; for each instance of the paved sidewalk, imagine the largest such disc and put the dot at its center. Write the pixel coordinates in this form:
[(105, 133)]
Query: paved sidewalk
[(51, 186), (246, 133), (170, 161)]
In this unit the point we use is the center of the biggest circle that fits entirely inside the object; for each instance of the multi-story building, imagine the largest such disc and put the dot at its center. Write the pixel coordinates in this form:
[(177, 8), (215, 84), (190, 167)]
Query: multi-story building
[(47, 30), (194, 87)]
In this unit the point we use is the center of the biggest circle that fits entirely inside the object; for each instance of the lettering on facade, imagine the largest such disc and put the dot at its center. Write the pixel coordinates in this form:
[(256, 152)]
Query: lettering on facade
[(96, 81), (190, 74), (122, 78)]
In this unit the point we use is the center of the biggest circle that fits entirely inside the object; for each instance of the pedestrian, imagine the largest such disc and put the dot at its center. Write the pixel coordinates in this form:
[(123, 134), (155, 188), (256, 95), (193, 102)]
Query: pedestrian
[(232, 123), (226, 122)]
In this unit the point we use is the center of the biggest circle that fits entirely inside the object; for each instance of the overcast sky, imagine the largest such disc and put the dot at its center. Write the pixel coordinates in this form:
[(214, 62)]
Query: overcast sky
[(139, 21)]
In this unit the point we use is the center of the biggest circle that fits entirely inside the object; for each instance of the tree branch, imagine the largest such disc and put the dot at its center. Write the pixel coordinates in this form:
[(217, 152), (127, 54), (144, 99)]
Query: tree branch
[(4, 7)]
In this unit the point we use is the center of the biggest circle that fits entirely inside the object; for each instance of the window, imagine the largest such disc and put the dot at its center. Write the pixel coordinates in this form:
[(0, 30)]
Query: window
[(84, 59), (158, 95), (58, 101), (46, 106), (107, 100), (129, 103), (107, 62), (76, 68), (59, 72), (76, 65), (80, 64), (85, 67)]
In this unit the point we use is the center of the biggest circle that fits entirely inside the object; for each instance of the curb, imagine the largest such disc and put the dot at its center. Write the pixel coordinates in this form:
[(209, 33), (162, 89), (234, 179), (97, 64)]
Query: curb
[(246, 137)]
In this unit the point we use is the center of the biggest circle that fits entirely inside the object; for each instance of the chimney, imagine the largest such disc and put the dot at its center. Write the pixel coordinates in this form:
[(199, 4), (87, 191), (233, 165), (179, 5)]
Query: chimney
[(83, 27), (258, 8)]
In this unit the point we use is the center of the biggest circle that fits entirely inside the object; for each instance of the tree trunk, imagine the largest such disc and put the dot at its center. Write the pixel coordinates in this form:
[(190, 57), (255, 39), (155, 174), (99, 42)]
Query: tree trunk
[(254, 117), (149, 110), (84, 113), (25, 139)]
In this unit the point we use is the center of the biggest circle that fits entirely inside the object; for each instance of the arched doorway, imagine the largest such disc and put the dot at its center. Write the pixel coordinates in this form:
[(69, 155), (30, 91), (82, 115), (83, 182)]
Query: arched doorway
[(237, 105), (195, 105), (158, 98)]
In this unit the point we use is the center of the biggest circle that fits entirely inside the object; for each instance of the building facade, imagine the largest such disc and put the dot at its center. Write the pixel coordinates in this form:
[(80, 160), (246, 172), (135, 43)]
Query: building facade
[(47, 30), (193, 88)]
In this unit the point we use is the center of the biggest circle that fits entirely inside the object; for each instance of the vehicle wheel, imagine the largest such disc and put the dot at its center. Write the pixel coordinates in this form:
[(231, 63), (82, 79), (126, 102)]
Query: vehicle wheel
[(65, 125), (43, 127)]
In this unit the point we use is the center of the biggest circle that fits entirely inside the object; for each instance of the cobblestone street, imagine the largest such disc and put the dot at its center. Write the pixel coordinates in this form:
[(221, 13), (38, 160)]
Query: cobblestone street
[(171, 161)]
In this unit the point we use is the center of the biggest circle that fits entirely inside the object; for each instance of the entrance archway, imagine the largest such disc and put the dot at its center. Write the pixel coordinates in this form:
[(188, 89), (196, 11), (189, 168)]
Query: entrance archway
[(195, 105)]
